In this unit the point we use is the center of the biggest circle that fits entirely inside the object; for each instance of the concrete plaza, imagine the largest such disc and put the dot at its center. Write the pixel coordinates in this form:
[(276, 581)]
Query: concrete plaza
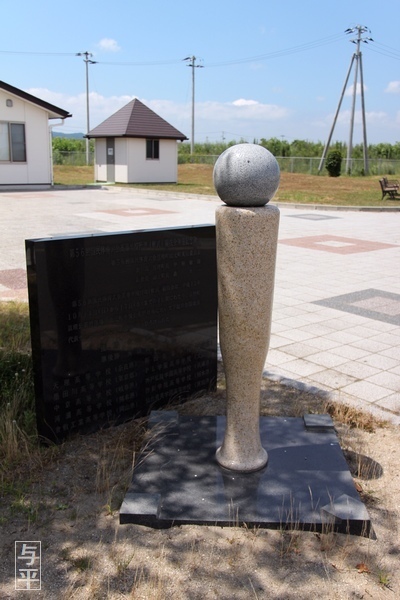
[(336, 315)]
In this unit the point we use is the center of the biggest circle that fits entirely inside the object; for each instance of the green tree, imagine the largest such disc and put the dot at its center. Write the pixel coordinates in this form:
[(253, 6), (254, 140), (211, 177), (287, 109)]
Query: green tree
[(306, 148), (358, 151), (333, 163), (396, 150), (273, 145), (69, 144), (67, 151)]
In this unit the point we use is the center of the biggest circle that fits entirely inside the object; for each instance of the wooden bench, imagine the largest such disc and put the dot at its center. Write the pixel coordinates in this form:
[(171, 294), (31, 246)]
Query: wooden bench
[(390, 188)]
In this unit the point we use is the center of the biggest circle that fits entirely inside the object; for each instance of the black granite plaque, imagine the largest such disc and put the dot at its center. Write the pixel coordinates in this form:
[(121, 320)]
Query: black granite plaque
[(120, 324), (305, 485)]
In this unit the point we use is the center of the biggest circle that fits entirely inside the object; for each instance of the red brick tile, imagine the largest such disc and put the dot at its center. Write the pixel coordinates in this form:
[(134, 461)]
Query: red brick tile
[(336, 244)]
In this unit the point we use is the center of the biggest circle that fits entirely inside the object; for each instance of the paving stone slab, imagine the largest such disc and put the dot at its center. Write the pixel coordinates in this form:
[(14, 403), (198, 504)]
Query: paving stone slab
[(306, 483)]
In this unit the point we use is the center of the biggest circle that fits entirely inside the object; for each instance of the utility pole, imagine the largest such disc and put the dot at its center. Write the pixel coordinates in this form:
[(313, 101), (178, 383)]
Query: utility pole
[(192, 64), (357, 59), (87, 62)]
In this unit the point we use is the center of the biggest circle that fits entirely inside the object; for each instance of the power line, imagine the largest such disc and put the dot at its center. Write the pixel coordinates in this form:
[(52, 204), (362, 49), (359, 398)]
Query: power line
[(270, 55), (134, 64), (385, 51), (154, 63), (38, 53), (278, 53), (395, 50)]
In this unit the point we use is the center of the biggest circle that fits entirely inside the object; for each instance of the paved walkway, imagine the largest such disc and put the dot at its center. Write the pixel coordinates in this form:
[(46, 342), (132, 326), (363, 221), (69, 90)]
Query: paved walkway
[(336, 313)]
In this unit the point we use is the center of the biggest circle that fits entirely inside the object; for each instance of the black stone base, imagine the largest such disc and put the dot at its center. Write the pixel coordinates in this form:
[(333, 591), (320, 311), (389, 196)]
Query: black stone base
[(305, 485)]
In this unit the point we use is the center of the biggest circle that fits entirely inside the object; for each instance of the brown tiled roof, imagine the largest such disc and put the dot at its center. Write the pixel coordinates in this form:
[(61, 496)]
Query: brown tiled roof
[(54, 111), (138, 121)]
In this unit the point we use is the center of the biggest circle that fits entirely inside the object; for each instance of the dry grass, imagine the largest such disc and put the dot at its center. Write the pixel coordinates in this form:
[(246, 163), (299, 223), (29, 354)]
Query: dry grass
[(71, 175), (71, 503), (14, 327), (294, 187), (68, 498)]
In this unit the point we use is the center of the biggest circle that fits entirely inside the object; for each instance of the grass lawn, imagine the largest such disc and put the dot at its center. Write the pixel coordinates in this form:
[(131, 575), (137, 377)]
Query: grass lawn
[(294, 187)]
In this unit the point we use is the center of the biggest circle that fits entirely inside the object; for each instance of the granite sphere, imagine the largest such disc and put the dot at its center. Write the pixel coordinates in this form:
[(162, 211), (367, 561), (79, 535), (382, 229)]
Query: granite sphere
[(246, 175)]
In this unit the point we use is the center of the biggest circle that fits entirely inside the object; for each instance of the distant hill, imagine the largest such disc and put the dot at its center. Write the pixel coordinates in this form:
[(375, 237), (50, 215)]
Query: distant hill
[(74, 136)]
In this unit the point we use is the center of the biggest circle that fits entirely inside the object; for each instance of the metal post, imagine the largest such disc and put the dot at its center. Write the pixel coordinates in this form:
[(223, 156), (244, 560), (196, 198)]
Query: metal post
[(321, 164), (193, 96), (356, 57), (353, 108), (87, 112), (87, 61), (365, 145), (192, 64)]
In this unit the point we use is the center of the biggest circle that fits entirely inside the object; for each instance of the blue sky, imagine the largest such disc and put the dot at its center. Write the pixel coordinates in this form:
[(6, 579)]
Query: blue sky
[(271, 69)]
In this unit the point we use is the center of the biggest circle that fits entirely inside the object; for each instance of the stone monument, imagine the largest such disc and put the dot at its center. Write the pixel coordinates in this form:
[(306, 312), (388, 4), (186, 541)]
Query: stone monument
[(121, 324), (278, 472), (246, 177)]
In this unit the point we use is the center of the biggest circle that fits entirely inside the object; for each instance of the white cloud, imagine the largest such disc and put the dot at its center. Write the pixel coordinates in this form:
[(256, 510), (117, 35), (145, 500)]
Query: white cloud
[(101, 107), (243, 102), (248, 118), (241, 109), (56, 98), (349, 91), (108, 45), (241, 114), (167, 108), (381, 127), (375, 117), (393, 87), (370, 117)]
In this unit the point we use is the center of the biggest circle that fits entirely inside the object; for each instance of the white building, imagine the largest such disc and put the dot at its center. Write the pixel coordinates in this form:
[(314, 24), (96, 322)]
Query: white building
[(25, 138), (135, 145)]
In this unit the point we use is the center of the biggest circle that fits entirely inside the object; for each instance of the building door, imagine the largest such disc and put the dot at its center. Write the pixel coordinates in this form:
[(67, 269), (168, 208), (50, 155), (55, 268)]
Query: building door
[(111, 160)]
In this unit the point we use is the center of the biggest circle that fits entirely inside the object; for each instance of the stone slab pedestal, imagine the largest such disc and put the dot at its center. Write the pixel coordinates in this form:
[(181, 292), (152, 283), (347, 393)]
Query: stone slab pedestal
[(306, 484)]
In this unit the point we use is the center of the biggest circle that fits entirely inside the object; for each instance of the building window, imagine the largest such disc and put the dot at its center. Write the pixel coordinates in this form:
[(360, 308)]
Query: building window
[(12, 142), (153, 149)]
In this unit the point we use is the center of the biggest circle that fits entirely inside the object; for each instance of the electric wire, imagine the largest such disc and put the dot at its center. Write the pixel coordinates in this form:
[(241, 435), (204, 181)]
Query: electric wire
[(391, 53), (284, 52), (38, 53), (389, 48), (260, 57)]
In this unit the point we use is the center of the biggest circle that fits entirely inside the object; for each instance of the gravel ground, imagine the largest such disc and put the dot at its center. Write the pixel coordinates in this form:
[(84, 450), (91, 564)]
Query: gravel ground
[(69, 501)]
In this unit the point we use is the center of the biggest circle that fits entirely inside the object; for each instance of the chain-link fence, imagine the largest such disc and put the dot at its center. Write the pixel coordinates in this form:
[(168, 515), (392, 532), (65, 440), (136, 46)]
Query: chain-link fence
[(377, 166), (300, 164), (76, 159), (287, 164)]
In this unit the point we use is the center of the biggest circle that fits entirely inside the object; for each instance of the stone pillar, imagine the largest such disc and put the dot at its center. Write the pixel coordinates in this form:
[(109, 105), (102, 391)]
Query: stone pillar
[(246, 176)]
